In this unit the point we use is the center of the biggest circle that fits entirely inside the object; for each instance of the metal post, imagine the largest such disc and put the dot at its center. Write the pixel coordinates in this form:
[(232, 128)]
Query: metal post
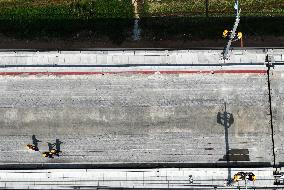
[(233, 33)]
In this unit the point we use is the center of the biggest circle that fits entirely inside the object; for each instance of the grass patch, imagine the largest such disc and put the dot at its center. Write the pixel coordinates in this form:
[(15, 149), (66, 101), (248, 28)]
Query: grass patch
[(216, 7), (113, 19), (62, 9), (31, 19)]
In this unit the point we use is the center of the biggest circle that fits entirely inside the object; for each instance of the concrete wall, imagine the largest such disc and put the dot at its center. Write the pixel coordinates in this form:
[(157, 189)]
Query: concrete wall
[(137, 57)]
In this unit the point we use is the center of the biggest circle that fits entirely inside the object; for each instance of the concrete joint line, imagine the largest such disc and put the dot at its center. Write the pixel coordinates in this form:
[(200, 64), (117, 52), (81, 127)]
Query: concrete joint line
[(271, 112)]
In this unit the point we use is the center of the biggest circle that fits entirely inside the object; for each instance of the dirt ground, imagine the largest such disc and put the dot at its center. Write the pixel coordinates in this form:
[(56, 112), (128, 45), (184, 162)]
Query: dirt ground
[(78, 43)]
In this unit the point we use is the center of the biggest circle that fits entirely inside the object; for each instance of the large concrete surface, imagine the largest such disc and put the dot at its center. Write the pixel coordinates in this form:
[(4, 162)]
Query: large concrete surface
[(202, 178), (136, 118), (277, 97)]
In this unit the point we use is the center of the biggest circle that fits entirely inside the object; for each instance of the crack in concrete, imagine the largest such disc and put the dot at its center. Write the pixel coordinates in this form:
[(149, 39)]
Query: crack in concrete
[(271, 114)]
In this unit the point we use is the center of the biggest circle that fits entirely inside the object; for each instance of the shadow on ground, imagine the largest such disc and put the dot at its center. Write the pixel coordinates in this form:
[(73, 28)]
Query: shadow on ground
[(155, 32)]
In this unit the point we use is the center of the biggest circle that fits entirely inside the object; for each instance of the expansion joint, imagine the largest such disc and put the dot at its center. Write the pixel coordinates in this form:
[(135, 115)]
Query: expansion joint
[(269, 65)]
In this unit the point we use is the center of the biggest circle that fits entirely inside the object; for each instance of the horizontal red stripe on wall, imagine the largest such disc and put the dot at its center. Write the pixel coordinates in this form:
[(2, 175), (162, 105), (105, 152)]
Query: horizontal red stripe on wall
[(140, 72)]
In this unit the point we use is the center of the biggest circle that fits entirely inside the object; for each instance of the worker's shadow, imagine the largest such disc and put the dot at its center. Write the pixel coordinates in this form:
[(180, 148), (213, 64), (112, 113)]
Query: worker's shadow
[(35, 141), (50, 146), (55, 145), (226, 119)]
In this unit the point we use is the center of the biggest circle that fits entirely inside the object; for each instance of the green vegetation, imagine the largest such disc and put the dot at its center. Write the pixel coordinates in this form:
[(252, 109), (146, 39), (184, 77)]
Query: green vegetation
[(215, 8), (113, 19), (90, 9), (65, 9), (103, 8), (65, 18)]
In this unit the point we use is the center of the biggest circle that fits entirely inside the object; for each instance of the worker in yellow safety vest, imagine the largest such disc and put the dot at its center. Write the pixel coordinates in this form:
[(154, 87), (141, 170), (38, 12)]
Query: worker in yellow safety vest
[(227, 34)]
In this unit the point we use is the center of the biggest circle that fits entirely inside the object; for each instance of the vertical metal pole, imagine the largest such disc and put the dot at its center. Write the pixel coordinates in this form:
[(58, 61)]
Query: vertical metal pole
[(233, 33)]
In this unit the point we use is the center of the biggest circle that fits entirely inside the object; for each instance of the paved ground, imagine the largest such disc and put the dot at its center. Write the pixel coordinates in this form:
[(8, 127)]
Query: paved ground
[(202, 178), (136, 118), (277, 95), (142, 106)]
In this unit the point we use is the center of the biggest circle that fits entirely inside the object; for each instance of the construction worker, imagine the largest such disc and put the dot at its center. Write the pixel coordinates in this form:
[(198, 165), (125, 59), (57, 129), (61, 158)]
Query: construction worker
[(243, 176), (190, 179), (239, 176), (51, 153), (251, 176), (55, 152), (227, 35), (47, 154), (53, 149), (240, 35), (32, 147)]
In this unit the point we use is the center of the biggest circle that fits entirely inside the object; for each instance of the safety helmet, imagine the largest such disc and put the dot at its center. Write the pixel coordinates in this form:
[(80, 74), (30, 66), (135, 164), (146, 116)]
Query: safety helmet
[(237, 177), (225, 33), (240, 35)]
